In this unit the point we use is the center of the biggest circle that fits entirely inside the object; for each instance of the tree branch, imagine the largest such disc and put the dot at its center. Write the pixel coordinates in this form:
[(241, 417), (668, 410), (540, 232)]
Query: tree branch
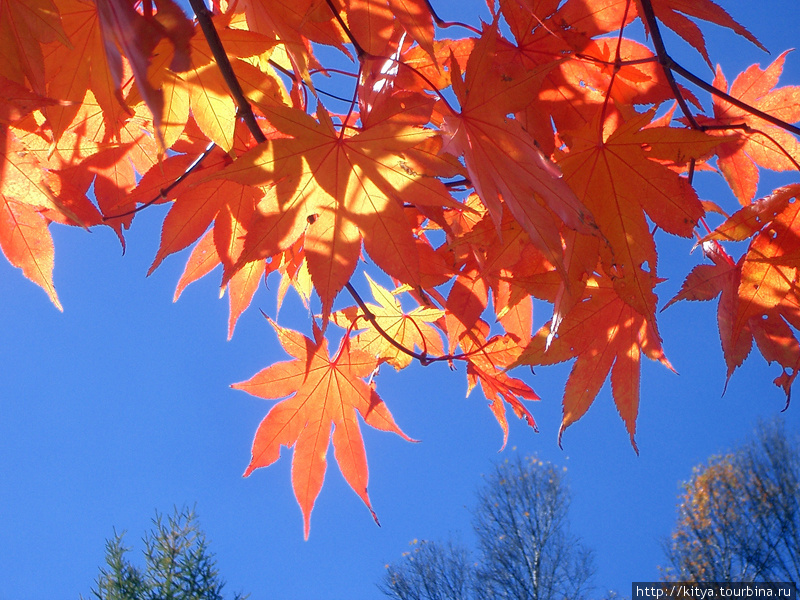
[(670, 66), (220, 56), (665, 60)]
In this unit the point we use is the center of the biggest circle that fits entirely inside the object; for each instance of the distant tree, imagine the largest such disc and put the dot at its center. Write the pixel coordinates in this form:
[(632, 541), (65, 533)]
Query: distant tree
[(431, 571), (178, 564), (525, 550), (739, 515)]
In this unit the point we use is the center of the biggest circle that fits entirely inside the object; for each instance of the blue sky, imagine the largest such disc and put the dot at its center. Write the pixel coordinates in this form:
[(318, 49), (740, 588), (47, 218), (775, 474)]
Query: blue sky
[(121, 405)]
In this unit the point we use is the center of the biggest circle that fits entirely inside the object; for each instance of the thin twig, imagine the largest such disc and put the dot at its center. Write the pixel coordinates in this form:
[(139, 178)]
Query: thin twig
[(670, 66), (444, 24), (163, 192), (421, 357)]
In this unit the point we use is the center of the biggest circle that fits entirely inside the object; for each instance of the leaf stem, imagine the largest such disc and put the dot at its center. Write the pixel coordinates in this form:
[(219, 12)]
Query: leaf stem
[(421, 357)]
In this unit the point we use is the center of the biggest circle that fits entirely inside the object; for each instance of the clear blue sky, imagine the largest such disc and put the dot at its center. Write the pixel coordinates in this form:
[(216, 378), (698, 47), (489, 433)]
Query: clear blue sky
[(121, 406)]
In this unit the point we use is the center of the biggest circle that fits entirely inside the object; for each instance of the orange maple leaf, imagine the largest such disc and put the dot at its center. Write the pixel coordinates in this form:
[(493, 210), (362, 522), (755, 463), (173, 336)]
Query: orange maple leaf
[(769, 268), (325, 394), (27, 244), (758, 294), (134, 35), (604, 334), (194, 210), (24, 26), (502, 159), (757, 142), (487, 361), (338, 189), (373, 24), (617, 173), (722, 278), (202, 260), (295, 23), (669, 13)]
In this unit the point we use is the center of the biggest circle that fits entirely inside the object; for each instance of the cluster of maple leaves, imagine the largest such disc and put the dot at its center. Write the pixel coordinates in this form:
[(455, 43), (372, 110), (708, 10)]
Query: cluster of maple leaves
[(525, 159)]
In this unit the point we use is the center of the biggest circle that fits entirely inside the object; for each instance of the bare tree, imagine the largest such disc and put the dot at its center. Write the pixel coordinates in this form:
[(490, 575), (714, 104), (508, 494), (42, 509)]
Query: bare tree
[(431, 571), (524, 548), (739, 515)]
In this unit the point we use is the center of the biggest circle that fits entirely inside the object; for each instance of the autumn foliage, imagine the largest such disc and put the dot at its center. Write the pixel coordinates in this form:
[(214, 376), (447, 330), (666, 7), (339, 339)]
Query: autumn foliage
[(477, 166)]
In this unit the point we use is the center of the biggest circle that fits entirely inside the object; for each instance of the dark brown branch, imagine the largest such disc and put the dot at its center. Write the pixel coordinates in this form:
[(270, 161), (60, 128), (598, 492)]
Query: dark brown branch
[(670, 66), (422, 357), (665, 60), (458, 183), (360, 52), (220, 56), (444, 24)]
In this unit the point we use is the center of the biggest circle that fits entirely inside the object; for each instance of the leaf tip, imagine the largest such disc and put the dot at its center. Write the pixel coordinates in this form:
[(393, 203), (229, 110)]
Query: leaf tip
[(635, 447), (374, 516)]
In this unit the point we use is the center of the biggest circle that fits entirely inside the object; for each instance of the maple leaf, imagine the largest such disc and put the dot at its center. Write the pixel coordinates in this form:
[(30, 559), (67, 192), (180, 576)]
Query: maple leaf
[(757, 142), (617, 174), (486, 365), (202, 260), (125, 31), (17, 101), (722, 278), (604, 334), (416, 18), (409, 330), (194, 211), (26, 243), (24, 26), (337, 190), (547, 182), (294, 23), (669, 13), (502, 159), (22, 174), (758, 294), (508, 263), (325, 394), (769, 267), (373, 24)]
